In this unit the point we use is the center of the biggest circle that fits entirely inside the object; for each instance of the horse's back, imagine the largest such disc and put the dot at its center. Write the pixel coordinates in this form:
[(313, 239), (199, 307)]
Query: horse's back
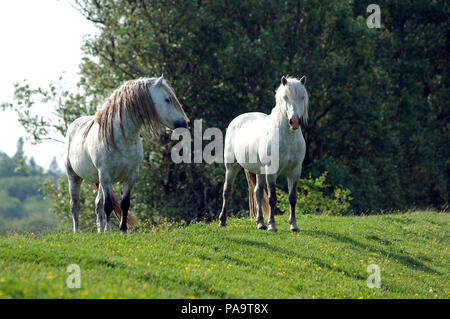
[(80, 122), (246, 119), (247, 123)]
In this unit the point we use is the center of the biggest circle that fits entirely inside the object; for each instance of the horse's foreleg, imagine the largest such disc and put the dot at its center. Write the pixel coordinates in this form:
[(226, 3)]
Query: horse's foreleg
[(99, 203), (230, 176), (74, 190), (108, 204), (259, 193), (292, 185), (271, 189)]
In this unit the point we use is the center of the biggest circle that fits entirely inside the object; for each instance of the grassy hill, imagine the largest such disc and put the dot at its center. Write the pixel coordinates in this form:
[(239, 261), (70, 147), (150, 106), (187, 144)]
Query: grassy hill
[(327, 259)]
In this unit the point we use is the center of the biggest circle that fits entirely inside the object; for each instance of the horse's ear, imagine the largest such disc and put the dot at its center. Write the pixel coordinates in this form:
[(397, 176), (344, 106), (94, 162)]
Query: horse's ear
[(283, 80), (159, 80), (303, 80)]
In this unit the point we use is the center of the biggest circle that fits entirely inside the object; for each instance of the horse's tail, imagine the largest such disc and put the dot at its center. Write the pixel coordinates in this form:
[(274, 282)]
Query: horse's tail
[(131, 219), (251, 180)]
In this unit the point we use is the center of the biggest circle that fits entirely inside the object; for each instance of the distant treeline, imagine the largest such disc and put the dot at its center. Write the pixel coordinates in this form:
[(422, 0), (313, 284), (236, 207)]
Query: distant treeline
[(22, 203)]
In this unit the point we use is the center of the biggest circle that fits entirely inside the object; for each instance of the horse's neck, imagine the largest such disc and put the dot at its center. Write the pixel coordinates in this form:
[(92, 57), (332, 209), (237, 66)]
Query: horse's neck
[(278, 118), (130, 129)]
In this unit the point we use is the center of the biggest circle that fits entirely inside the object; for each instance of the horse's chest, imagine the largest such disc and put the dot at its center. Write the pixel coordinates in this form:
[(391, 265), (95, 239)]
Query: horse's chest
[(290, 161), (292, 154)]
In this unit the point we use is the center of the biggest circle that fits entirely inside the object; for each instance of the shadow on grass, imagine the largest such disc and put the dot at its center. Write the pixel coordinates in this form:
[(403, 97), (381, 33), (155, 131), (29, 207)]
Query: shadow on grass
[(288, 252), (406, 260)]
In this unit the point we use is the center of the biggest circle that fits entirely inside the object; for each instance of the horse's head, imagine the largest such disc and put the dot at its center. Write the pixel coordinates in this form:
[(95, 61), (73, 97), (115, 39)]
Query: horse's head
[(292, 98), (170, 111)]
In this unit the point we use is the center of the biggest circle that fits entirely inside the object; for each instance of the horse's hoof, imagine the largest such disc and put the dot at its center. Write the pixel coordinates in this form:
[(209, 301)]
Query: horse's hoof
[(262, 227), (295, 230), (222, 224), (272, 228)]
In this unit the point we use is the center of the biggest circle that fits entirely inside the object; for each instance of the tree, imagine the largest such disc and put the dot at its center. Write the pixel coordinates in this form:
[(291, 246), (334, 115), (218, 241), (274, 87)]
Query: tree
[(7, 165), (19, 152), (22, 206), (379, 123), (53, 169)]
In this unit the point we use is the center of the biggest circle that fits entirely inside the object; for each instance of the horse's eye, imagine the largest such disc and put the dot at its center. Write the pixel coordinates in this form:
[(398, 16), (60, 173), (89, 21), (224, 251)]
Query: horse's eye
[(168, 101)]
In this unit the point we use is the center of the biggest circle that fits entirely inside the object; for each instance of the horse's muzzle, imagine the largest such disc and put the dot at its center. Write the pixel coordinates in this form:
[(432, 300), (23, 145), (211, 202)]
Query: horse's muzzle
[(294, 122), (180, 123)]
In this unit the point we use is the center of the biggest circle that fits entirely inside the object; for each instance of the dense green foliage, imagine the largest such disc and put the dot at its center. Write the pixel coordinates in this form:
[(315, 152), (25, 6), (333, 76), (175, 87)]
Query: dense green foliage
[(379, 122), (22, 204), (328, 259), (314, 197)]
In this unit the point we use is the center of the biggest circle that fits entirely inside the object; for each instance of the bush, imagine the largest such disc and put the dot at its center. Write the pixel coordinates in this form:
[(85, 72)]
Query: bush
[(11, 207), (57, 193), (21, 187), (316, 197), (35, 223)]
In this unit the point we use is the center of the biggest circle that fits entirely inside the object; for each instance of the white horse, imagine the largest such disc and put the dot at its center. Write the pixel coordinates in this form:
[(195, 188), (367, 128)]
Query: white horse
[(267, 146), (107, 148)]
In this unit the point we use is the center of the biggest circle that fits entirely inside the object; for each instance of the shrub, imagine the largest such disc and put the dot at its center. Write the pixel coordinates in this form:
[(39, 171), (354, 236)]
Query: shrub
[(314, 196), (57, 193)]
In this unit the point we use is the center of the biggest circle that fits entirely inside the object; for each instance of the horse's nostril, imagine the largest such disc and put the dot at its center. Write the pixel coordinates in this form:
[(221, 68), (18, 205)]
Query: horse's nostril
[(290, 122), (180, 123)]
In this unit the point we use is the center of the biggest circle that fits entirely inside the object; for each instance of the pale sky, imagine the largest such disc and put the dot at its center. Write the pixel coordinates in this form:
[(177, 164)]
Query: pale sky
[(39, 41)]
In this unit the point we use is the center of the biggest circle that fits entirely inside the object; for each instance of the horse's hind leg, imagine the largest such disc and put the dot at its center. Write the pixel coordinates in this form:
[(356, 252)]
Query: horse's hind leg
[(74, 190), (259, 193), (230, 176), (107, 200), (104, 197)]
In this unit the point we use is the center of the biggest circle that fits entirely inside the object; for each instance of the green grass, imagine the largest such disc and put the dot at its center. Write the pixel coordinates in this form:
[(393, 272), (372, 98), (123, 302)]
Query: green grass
[(327, 259)]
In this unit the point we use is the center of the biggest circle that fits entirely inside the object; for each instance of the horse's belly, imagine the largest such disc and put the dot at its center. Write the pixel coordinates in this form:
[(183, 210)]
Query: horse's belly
[(83, 167), (81, 161), (124, 169), (245, 149)]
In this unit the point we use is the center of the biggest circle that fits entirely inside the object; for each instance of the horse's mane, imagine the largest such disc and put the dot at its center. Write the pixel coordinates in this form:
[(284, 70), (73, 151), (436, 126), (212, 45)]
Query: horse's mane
[(131, 100), (294, 89)]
